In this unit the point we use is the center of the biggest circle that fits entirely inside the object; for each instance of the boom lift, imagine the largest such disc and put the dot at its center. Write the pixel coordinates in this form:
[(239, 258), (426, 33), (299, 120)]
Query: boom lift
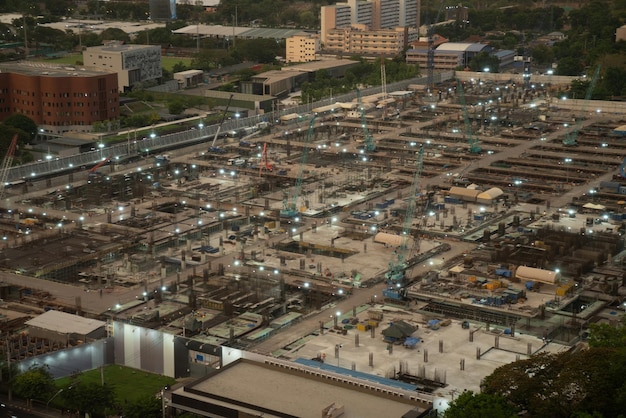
[(370, 146), (6, 165), (570, 139), (290, 206), (395, 276), (474, 147), (213, 148)]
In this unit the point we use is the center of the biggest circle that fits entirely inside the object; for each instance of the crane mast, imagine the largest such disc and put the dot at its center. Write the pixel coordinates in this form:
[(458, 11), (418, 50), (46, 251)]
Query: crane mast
[(290, 203), (474, 147), (213, 148), (367, 135), (570, 139), (6, 165), (430, 54), (395, 276)]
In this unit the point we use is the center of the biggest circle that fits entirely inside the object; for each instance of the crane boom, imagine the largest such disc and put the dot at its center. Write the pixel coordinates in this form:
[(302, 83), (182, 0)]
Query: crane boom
[(570, 139), (290, 207), (397, 266), (219, 127), (6, 165)]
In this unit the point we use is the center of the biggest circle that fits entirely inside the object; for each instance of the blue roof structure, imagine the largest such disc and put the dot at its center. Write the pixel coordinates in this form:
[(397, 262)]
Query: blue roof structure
[(356, 374)]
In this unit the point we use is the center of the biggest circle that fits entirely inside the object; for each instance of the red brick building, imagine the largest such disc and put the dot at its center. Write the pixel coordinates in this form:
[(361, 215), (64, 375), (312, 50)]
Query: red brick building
[(59, 99)]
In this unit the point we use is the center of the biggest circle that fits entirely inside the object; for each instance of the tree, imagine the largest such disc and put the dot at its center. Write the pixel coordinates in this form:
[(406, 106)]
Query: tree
[(176, 107), (89, 397), (147, 407), (484, 60), (35, 383), (114, 34), (24, 123), (605, 335), (480, 405)]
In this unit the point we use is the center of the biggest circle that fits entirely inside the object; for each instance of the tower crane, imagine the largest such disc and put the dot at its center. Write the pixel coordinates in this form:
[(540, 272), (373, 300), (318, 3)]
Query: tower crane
[(370, 146), (213, 148), (430, 54), (474, 147), (570, 139), (6, 165), (395, 276), (290, 203)]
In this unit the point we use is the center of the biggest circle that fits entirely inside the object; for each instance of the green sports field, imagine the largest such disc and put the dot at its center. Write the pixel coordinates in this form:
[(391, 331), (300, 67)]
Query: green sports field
[(128, 384)]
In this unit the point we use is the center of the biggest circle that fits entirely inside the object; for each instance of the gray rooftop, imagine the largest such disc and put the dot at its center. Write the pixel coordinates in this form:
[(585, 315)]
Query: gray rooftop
[(65, 323)]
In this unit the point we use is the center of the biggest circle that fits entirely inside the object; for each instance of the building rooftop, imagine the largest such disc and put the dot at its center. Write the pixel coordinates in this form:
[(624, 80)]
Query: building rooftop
[(50, 70), (242, 32), (303, 393), (119, 47), (65, 323)]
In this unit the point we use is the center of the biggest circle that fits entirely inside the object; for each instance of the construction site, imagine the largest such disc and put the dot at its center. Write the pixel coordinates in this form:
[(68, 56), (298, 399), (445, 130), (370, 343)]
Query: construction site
[(495, 205)]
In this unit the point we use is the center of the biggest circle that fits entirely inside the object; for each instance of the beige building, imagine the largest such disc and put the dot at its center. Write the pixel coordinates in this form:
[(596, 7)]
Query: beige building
[(132, 63), (358, 40), (302, 48)]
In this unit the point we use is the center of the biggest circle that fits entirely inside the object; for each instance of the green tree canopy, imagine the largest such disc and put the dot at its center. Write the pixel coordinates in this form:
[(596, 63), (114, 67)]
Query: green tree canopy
[(480, 405), (35, 383), (89, 397), (23, 123)]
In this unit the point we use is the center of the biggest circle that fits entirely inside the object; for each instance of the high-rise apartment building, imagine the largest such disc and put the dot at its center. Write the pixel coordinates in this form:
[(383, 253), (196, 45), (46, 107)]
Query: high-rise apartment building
[(368, 15)]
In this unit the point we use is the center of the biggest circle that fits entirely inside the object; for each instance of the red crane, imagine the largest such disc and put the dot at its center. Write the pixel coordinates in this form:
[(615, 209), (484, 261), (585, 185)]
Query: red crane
[(264, 163), (94, 170)]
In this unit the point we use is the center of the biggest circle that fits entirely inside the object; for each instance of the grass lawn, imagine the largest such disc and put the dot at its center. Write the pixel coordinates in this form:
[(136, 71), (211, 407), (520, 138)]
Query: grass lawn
[(128, 384), (167, 62)]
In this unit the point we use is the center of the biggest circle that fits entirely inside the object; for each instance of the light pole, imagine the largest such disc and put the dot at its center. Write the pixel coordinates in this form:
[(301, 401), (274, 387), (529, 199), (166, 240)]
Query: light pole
[(567, 161), (603, 145), (53, 396)]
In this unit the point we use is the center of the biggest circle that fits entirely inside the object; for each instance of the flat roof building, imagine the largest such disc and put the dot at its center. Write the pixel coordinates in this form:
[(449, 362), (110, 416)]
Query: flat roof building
[(275, 388), (302, 48), (59, 98), (132, 63)]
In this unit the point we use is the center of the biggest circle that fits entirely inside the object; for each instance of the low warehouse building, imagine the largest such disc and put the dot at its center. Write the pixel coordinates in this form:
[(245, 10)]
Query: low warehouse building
[(66, 328)]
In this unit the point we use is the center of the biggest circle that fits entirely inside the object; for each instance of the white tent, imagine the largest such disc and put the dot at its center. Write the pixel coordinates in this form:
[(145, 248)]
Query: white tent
[(389, 239), (537, 275)]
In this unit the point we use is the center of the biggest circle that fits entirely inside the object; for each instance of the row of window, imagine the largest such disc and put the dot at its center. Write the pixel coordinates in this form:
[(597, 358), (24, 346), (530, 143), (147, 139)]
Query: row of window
[(54, 95)]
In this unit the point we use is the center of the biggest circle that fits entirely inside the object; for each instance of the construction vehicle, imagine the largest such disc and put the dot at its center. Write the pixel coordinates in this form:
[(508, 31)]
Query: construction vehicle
[(395, 276), (290, 203), (474, 147), (214, 148), (6, 165), (570, 138), (370, 146)]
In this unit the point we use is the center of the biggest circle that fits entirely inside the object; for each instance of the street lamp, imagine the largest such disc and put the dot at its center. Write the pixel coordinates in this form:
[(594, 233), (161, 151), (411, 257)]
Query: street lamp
[(237, 120), (336, 318), (53, 396), (567, 161), (603, 145)]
